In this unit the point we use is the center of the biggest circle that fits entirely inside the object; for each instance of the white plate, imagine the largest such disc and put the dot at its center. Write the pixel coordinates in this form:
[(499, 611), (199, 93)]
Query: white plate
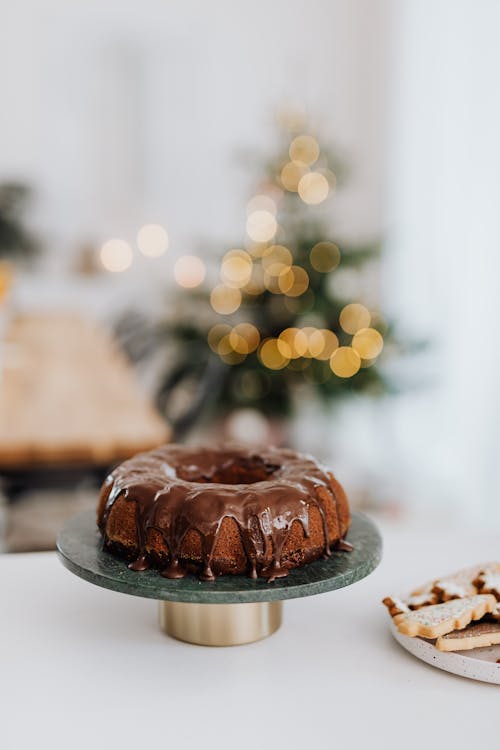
[(476, 664)]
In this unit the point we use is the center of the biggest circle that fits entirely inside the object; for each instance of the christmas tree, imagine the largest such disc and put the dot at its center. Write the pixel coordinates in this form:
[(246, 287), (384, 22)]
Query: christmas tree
[(283, 312)]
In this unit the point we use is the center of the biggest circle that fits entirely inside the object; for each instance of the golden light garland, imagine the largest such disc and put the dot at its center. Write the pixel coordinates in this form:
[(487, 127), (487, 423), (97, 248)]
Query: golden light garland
[(368, 343), (309, 332), (152, 240), (313, 188), (292, 343), (261, 225), (345, 362), (266, 264), (322, 343), (309, 342), (293, 281), (255, 249), (353, 317), (256, 283), (271, 356), (225, 300), (224, 346), (189, 271), (262, 202), (324, 256), (244, 338), (276, 258), (305, 149), (116, 255), (236, 268), (291, 175), (216, 334), (228, 354), (233, 344)]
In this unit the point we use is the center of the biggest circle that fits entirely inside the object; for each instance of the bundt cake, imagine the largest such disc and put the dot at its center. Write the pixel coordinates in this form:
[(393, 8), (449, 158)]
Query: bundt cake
[(227, 510)]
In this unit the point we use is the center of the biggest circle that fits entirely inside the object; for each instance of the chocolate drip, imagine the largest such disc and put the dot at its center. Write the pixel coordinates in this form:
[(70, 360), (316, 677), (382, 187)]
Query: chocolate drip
[(140, 564), (344, 546), (176, 489)]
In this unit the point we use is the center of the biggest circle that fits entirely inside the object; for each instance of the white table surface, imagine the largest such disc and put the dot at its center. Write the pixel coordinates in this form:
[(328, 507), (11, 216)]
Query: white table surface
[(82, 667)]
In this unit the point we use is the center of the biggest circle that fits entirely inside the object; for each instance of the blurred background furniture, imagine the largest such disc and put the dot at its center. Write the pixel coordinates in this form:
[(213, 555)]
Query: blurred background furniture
[(68, 396), (70, 408)]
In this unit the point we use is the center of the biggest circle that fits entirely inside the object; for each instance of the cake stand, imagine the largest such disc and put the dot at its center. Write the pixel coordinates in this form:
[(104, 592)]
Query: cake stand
[(230, 610)]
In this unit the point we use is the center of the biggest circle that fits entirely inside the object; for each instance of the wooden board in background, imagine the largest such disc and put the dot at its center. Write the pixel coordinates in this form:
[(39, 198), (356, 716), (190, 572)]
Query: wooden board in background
[(68, 395)]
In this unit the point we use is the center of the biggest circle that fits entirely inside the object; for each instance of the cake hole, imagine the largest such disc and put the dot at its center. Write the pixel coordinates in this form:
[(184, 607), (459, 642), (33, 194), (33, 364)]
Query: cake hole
[(235, 471)]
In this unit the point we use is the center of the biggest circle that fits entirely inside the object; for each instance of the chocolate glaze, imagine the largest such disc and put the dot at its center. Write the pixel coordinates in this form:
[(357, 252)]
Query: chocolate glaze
[(178, 488)]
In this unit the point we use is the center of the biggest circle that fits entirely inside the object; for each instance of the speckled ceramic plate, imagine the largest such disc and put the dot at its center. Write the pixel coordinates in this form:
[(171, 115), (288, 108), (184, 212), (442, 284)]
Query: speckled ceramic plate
[(80, 549), (476, 664)]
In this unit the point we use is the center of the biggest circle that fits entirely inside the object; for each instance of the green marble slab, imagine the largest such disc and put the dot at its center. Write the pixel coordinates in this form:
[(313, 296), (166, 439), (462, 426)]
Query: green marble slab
[(80, 550)]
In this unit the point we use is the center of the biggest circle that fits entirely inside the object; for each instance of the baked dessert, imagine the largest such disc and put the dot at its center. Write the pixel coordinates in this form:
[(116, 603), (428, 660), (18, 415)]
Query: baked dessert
[(227, 510)]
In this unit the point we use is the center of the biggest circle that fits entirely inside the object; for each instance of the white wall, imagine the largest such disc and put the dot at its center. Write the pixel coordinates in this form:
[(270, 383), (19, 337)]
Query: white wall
[(443, 270), (121, 112)]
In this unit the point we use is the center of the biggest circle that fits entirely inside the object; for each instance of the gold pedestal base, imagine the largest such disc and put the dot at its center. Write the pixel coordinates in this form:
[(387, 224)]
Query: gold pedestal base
[(220, 624)]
